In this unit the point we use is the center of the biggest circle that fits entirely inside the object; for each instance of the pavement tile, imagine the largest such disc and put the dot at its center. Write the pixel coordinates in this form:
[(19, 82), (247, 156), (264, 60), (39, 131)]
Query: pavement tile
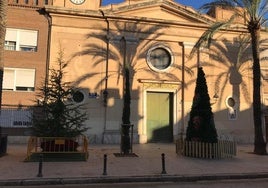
[(148, 164)]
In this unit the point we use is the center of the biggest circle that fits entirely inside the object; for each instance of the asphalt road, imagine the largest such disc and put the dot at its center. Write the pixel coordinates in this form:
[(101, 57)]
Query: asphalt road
[(245, 183)]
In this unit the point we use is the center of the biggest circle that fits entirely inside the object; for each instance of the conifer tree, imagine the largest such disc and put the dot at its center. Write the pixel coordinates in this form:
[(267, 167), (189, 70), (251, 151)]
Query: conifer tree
[(57, 115), (125, 138), (201, 125)]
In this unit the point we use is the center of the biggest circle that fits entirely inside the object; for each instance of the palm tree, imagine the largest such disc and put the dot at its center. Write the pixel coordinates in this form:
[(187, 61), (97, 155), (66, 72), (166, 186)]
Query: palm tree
[(3, 10), (253, 13)]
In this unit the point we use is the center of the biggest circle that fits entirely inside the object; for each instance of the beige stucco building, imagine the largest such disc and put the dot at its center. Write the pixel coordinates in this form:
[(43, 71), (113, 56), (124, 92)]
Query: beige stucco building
[(154, 38)]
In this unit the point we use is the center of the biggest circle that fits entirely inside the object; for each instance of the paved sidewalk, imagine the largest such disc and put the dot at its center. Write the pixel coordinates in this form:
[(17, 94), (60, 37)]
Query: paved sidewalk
[(146, 167)]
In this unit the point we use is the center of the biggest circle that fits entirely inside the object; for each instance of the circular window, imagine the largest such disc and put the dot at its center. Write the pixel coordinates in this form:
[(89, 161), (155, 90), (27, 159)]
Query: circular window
[(159, 58), (78, 96), (231, 102)]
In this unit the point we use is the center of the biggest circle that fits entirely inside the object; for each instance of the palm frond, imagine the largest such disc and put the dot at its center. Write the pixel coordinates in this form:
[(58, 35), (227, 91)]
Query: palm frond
[(207, 37)]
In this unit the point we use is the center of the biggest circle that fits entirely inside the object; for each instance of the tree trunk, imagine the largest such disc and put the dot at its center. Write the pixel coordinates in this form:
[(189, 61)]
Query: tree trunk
[(259, 143)]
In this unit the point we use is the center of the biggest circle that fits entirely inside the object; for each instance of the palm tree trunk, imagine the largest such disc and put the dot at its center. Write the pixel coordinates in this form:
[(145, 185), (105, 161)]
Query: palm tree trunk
[(259, 143), (3, 10)]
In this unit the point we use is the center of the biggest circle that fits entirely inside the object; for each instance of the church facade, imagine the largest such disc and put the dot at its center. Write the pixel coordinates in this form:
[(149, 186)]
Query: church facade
[(154, 39)]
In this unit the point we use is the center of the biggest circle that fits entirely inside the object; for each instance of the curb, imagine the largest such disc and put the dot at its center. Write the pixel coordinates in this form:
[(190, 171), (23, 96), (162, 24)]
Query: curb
[(131, 179)]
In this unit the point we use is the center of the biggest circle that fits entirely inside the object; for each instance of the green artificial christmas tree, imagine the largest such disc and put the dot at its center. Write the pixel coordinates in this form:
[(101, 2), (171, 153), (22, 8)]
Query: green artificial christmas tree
[(201, 125), (57, 115)]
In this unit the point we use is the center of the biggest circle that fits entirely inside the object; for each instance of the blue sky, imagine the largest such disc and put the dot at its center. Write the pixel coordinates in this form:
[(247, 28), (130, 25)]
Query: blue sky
[(194, 3)]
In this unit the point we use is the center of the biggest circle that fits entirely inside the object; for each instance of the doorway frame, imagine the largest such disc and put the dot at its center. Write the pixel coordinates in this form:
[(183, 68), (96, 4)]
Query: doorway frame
[(164, 88)]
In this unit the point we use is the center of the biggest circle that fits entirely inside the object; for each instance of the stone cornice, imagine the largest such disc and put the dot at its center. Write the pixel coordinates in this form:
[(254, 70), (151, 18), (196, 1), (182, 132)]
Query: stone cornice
[(113, 14), (97, 14), (166, 4), (159, 81)]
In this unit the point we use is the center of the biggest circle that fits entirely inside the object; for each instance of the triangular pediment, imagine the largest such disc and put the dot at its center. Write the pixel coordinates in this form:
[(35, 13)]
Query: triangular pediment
[(167, 10)]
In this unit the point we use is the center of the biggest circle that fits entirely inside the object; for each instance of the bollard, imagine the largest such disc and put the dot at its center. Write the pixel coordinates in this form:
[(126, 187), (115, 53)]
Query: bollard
[(105, 165), (40, 166), (163, 164)]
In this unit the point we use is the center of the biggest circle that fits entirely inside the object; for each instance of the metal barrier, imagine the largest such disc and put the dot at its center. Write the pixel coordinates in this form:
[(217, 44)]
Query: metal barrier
[(42, 145), (221, 149)]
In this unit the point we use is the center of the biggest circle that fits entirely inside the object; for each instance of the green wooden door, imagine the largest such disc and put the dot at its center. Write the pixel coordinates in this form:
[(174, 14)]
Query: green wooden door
[(159, 117)]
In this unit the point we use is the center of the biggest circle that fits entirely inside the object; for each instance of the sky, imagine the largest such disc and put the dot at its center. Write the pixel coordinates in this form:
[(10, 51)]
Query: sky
[(193, 3)]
